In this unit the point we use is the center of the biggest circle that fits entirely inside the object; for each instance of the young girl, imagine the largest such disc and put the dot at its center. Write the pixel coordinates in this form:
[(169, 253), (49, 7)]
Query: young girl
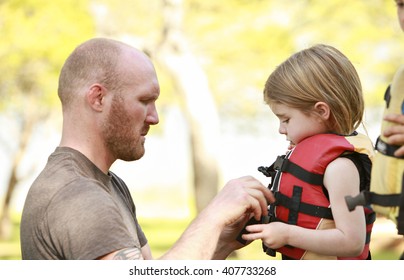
[(316, 94)]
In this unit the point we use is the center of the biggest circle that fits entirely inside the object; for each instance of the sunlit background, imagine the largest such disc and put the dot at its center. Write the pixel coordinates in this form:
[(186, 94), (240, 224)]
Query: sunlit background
[(212, 59)]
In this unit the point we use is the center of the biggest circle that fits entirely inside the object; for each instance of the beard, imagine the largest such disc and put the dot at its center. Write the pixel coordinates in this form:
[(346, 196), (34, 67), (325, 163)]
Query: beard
[(120, 138)]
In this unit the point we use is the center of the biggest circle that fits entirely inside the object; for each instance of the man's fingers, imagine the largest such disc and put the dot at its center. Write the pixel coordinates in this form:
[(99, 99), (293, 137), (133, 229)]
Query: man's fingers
[(253, 183), (244, 195), (260, 197), (258, 203)]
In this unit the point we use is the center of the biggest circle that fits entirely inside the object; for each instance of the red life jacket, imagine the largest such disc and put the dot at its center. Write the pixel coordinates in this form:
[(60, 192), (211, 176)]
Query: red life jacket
[(301, 197)]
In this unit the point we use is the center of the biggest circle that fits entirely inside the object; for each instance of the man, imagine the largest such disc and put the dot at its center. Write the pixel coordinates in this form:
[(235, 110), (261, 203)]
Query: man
[(77, 208)]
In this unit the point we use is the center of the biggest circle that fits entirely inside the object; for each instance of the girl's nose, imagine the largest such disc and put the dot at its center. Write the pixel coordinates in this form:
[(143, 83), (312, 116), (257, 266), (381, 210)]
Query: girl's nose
[(281, 129)]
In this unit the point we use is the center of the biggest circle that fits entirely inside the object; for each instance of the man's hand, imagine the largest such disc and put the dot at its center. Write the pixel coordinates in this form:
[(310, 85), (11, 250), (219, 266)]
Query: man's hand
[(238, 201), (212, 234), (241, 197)]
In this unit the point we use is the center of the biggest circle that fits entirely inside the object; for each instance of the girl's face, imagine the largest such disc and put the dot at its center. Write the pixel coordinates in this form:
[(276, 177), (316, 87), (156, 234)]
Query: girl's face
[(296, 124)]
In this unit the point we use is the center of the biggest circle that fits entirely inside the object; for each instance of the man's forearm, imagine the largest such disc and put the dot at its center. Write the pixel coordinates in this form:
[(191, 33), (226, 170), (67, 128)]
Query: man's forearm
[(198, 242)]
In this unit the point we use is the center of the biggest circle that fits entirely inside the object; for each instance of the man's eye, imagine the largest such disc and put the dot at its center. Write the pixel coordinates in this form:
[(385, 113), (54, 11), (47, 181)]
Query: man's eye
[(145, 101)]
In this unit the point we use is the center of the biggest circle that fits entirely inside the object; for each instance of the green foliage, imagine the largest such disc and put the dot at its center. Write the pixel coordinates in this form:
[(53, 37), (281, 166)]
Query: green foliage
[(163, 233), (242, 41), (36, 37), (11, 249), (238, 42)]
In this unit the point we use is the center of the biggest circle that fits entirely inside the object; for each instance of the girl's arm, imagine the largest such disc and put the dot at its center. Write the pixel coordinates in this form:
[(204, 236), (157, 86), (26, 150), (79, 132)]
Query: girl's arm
[(341, 178), (347, 239)]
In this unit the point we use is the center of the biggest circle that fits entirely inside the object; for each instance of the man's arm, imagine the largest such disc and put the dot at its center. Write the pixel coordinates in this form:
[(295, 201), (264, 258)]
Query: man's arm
[(212, 234), (130, 254), (124, 254)]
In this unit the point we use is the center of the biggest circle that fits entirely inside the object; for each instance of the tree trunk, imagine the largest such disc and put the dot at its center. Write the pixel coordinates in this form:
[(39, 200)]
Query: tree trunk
[(25, 135), (190, 81)]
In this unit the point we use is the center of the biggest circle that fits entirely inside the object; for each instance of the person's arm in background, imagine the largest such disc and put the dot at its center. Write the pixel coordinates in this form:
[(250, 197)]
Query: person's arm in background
[(395, 133)]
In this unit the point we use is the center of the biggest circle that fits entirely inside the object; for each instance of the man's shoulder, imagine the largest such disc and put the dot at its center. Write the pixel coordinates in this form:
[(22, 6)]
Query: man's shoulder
[(65, 178)]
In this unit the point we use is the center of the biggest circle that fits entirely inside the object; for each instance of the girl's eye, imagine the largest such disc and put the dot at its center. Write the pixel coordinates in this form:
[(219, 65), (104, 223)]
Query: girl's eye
[(285, 121)]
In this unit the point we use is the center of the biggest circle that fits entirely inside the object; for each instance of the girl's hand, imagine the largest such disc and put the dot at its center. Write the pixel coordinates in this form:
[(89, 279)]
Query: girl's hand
[(274, 235)]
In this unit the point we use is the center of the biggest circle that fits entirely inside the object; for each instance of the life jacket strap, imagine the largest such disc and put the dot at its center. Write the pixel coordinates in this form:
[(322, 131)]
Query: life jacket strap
[(370, 219), (306, 208), (386, 149), (386, 200)]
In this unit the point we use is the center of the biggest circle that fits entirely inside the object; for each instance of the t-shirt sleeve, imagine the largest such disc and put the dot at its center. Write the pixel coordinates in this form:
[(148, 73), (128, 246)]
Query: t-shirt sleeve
[(141, 235), (85, 223)]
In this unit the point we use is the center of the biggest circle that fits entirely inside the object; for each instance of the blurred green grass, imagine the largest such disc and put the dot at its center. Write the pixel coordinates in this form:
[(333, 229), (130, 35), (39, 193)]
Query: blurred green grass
[(163, 233)]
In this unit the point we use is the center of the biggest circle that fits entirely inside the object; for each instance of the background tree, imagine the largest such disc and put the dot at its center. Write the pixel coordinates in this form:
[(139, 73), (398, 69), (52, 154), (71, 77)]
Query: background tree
[(169, 48), (240, 43), (36, 37), (235, 44), (191, 83)]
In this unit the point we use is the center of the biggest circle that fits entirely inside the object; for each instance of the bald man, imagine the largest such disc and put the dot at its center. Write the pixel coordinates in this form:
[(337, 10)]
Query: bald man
[(77, 208)]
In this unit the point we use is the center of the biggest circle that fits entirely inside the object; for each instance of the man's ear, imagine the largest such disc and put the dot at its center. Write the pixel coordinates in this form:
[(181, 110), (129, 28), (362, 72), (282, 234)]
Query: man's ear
[(323, 110), (96, 97)]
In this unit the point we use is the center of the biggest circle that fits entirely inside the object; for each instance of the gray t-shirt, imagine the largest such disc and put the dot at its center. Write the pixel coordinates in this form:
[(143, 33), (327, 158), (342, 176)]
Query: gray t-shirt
[(75, 211)]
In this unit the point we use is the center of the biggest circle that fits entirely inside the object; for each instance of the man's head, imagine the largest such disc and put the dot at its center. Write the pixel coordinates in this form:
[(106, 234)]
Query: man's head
[(109, 89)]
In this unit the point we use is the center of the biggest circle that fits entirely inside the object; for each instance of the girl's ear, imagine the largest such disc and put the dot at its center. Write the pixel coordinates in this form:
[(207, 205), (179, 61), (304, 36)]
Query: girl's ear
[(323, 110)]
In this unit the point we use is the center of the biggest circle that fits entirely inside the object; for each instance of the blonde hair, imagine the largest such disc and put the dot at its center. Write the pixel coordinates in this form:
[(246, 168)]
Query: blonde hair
[(319, 74)]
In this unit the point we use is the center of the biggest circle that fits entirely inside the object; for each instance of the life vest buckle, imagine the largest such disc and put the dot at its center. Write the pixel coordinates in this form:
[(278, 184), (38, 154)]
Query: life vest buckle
[(279, 163)]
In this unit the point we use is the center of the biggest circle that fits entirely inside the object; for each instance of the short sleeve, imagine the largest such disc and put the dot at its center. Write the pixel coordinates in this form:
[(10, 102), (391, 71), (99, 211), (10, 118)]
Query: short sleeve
[(84, 222)]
